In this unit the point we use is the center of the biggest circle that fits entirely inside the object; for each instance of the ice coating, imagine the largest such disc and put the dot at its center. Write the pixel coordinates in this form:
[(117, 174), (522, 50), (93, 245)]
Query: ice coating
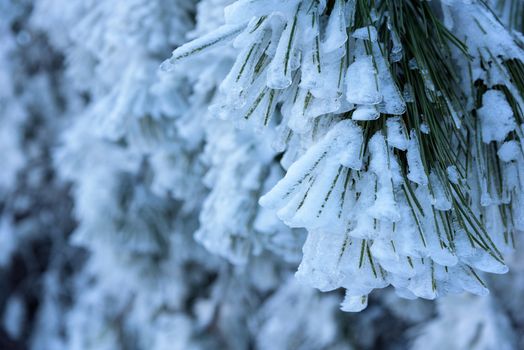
[(336, 33), (509, 151), (361, 82), (417, 172), (385, 207), (280, 68), (204, 43), (396, 133), (496, 116)]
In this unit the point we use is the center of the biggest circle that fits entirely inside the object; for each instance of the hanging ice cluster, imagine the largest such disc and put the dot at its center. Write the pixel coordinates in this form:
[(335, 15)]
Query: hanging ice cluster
[(494, 74), (364, 175)]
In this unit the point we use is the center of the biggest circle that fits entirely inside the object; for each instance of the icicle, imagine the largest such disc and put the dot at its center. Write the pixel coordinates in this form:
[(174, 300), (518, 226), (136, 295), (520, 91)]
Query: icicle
[(320, 266), (280, 68), (496, 116), (392, 101), (361, 82), (365, 113), (509, 151), (417, 172), (336, 34), (385, 207), (396, 133), (366, 33), (441, 200), (210, 41), (354, 303)]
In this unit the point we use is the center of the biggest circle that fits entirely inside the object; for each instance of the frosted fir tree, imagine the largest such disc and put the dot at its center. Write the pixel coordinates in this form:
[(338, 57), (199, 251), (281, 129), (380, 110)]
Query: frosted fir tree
[(12, 156), (312, 320), (401, 176), (485, 328), (126, 219), (36, 263)]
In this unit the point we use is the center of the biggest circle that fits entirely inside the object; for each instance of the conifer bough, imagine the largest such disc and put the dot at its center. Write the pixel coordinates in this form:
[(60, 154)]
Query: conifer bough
[(399, 124)]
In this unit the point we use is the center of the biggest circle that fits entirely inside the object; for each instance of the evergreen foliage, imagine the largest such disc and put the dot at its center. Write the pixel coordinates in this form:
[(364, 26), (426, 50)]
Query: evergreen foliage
[(226, 160)]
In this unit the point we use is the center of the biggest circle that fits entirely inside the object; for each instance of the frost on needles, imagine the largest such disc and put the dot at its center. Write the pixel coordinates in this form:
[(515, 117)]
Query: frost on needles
[(400, 130)]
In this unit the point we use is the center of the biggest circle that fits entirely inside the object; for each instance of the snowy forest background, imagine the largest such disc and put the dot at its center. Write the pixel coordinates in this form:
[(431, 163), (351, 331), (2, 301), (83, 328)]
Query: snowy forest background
[(253, 188)]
